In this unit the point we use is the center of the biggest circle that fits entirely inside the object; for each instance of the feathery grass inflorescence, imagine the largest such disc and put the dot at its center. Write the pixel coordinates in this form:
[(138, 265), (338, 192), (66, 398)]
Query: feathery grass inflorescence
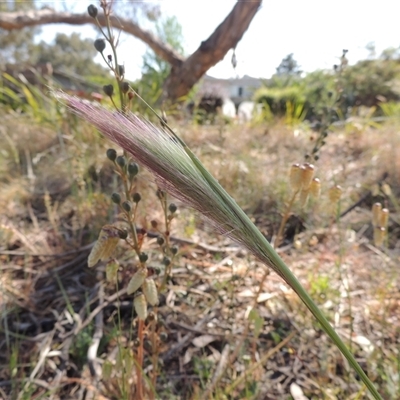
[(178, 171)]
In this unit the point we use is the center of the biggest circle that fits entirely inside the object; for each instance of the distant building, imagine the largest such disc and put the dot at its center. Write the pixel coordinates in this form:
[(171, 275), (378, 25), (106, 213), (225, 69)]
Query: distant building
[(236, 89)]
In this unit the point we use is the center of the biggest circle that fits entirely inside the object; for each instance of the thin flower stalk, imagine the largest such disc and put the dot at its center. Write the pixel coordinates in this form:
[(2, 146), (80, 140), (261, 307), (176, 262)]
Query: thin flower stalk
[(179, 172)]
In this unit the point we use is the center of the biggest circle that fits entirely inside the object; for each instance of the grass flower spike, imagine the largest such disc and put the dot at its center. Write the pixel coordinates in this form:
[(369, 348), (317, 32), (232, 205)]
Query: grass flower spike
[(178, 171)]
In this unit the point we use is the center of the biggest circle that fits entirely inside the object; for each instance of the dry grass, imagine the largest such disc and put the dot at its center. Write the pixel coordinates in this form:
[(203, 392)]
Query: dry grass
[(54, 199)]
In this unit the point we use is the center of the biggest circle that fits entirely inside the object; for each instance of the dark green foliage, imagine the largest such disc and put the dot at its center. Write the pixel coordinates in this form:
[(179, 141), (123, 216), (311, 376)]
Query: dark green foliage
[(155, 70), (277, 98), (367, 83), (371, 81), (17, 45), (288, 67)]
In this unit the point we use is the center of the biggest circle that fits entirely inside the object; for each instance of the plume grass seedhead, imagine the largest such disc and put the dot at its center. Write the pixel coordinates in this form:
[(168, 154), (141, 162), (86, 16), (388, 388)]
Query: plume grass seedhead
[(175, 169), (178, 172)]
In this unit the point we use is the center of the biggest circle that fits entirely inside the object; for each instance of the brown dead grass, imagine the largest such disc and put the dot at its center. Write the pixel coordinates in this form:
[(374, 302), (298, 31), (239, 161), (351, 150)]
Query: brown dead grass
[(51, 217)]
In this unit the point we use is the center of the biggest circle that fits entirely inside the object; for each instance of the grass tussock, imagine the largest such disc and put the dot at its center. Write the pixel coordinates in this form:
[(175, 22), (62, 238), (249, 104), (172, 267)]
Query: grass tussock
[(215, 341)]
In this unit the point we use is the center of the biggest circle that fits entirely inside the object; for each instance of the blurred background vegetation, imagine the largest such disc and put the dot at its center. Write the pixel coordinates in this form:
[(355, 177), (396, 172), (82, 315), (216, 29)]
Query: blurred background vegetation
[(55, 196)]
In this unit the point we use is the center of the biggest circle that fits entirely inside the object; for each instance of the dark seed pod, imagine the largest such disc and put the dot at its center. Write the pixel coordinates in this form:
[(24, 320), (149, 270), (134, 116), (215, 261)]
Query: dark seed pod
[(160, 194), (147, 346), (123, 234), (108, 90), (154, 224), (111, 154), (120, 160), (166, 261), (160, 240), (125, 87), (172, 208), (163, 336), (174, 250), (143, 257), (116, 198), (121, 70), (126, 205), (100, 45), (136, 197), (92, 11), (133, 169)]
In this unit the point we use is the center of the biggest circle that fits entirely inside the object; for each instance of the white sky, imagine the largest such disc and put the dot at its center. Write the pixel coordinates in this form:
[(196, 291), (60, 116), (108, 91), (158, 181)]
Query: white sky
[(316, 31)]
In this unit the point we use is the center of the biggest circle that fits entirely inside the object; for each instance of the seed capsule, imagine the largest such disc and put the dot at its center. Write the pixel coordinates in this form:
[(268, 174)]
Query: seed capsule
[(116, 198), (123, 234), (140, 305), (92, 11), (166, 261), (304, 197), (143, 257), (126, 205), (136, 281), (120, 160), (100, 45), (335, 194), (174, 250), (376, 214), (105, 245), (163, 336), (384, 218), (133, 170), (112, 271), (110, 246), (172, 208), (307, 174), (125, 87), (379, 235), (315, 188), (111, 154), (150, 291), (108, 90), (295, 177), (136, 197)]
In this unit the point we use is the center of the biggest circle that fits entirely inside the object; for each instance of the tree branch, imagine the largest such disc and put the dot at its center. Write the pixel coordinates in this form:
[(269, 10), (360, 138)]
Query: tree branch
[(184, 72), (227, 35), (22, 19)]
